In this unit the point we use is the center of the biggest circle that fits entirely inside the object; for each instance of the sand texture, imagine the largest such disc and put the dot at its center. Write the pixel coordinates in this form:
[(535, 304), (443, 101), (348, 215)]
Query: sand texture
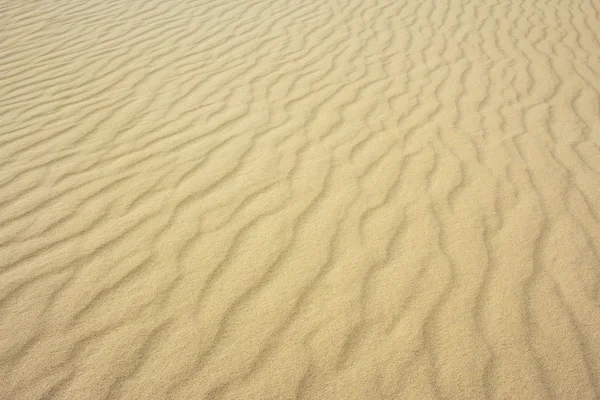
[(276, 199)]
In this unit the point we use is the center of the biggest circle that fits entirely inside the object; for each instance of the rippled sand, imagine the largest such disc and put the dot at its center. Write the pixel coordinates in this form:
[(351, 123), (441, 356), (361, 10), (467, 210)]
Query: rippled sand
[(269, 199)]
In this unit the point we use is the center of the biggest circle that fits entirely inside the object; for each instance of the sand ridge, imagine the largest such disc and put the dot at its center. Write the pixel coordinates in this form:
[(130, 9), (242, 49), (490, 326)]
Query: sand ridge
[(267, 199)]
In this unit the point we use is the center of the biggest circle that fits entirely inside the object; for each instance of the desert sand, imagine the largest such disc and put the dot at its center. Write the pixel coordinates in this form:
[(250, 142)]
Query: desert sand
[(330, 199)]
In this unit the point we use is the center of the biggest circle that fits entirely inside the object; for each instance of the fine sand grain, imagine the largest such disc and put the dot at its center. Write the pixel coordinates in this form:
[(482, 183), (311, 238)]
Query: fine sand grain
[(277, 199)]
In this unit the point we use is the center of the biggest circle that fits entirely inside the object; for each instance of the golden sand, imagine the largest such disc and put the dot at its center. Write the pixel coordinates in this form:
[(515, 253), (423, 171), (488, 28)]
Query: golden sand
[(269, 199)]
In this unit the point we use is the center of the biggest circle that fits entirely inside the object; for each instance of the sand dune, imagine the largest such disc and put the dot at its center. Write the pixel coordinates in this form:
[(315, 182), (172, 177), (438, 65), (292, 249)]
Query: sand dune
[(267, 199)]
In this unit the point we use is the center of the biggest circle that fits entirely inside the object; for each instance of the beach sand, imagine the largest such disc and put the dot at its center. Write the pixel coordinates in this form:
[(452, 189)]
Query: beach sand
[(268, 199)]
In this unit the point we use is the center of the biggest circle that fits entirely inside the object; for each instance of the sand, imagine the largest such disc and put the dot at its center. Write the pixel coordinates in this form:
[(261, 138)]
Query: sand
[(268, 199)]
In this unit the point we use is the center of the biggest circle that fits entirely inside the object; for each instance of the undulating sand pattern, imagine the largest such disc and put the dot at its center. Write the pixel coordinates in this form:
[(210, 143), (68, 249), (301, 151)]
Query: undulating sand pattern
[(327, 199)]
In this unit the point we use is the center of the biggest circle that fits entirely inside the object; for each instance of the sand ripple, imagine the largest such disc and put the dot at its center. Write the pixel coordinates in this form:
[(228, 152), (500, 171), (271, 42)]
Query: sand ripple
[(267, 199)]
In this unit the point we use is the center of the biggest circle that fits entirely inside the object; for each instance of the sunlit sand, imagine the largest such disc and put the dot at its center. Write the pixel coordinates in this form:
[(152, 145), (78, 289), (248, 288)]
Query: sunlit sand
[(269, 199)]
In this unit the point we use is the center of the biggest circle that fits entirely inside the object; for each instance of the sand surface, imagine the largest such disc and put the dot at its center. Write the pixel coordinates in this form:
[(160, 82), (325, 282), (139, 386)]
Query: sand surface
[(326, 199)]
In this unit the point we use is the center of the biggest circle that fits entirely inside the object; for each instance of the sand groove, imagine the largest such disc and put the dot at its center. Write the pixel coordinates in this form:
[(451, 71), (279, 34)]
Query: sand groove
[(219, 199)]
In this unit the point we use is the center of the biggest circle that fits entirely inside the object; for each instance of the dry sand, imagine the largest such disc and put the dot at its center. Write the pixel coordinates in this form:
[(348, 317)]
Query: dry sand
[(268, 199)]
